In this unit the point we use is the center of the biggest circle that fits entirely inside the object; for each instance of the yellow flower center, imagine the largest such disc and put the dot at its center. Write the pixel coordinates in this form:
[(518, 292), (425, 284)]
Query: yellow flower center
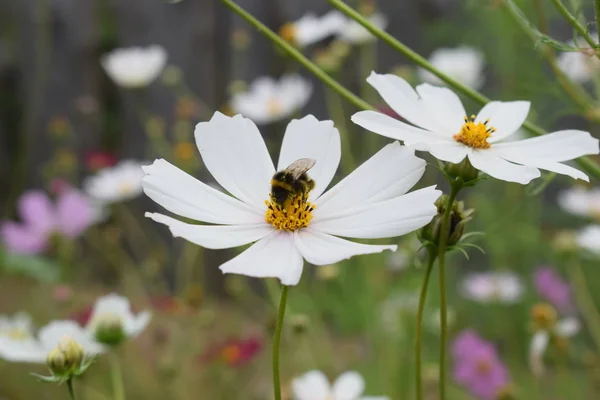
[(475, 134), (17, 334), (294, 213), (185, 151), (288, 32), (274, 106), (125, 188)]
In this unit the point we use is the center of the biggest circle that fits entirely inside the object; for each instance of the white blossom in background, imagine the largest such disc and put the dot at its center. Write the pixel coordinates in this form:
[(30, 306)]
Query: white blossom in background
[(365, 205), (115, 184), (311, 28), (404, 256), (442, 127), (354, 33), (492, 287), (112, 320), (16, 326), (581, 201), (135, 67), (565, 328), (268, 100), (579, 65), (589, 239), (394, 307), (314, 385), (463, 64), (36, 350), (434, 319)]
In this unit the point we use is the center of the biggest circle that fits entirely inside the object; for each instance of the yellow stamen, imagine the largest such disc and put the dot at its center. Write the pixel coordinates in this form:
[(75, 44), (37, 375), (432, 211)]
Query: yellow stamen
[(295, 213), (17, 334), (288, 32), (274, 106), (475, 134), (125, 188)]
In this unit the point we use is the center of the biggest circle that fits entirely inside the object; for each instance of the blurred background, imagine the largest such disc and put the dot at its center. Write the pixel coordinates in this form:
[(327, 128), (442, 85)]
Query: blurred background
[(67, 121)]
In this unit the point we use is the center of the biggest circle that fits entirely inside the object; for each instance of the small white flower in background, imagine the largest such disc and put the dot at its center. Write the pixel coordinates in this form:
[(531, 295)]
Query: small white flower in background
[(268, 100), (114, 184), (464, 64), (17, 326), (305, 225), (112, 320), (311, 29), (565, 328), (32, 350), (314, 385), (581, 201), (394, 307), (442, 128), (135, 67), (579, 65), (434, 321), (404, 256), (589, 239), (355, 33), (492, 287)]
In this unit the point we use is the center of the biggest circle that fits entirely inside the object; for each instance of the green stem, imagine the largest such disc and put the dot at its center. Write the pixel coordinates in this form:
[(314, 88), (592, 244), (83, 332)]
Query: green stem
[(585, 162), (336, 112), (277, 340), (116, 377), (585, 301), (319, 73), (419, 330), (597, 6), (70, 389), (575, 24), (442, 246)]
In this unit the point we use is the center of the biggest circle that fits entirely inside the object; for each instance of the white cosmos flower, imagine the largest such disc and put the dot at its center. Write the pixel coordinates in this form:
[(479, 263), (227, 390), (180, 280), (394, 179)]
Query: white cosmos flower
[(578, 65), (114, 184), (464, 64), (355, 33), (367, 204), (268, 100), (492, 287), (565, 328), (113, 312), (441, 127), (17, 326), (311, 29), (314, 385), (135, 67), (581, 201), (589, 238), (32, 350)]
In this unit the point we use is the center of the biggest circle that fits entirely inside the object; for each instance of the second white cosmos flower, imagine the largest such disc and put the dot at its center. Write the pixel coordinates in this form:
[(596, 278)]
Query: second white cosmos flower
[(370, 203), (442, 127)]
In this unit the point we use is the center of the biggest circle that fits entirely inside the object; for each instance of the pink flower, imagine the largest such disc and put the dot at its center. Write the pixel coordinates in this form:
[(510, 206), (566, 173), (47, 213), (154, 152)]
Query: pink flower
[(234, 353), (477, 366), (70, 216), (553, 288)]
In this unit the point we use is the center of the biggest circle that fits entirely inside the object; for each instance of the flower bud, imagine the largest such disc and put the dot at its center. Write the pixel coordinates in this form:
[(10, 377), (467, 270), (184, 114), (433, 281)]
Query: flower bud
[(506, 393), (109, 329), (463, 170), (544, 316), (458, 218), (66, 358)]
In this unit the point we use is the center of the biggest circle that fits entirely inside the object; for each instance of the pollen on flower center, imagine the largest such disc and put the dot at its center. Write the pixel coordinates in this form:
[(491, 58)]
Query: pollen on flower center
[(274, 106), (288, 32), (483, 366), (124, 188), (475, 134), (294, 213)]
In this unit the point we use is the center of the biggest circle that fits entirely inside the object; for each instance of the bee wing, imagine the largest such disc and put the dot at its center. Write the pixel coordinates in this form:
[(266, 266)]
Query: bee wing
[(299, 167)]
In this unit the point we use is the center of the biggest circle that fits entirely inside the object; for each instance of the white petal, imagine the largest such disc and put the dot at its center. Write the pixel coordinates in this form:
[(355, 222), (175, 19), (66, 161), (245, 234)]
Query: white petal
[(348, 386), (51, 334), (374, 398), (450, 151), (311, 138), (493, 165), (392, 128), (313, 385), (558, 146), (138, 323), (114, 304), (275, 256), (211, 236), (568, 327), (444, 105), (236, 155), (388, 218), (26, 351), (403, 99), (182, 194), (322, 249), (391, 172), (506, 117), (538, 345)]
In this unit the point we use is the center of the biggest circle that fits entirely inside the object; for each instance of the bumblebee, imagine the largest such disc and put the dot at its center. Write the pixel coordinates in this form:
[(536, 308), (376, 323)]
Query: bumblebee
[(292, 181)]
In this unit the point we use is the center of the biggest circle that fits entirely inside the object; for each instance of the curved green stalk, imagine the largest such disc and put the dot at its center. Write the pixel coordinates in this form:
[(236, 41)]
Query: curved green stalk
[(585, 162), (419, 329), (572, 20), (597, 6), (70, 389), (584, 300), (276, 341), (116, 377)]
